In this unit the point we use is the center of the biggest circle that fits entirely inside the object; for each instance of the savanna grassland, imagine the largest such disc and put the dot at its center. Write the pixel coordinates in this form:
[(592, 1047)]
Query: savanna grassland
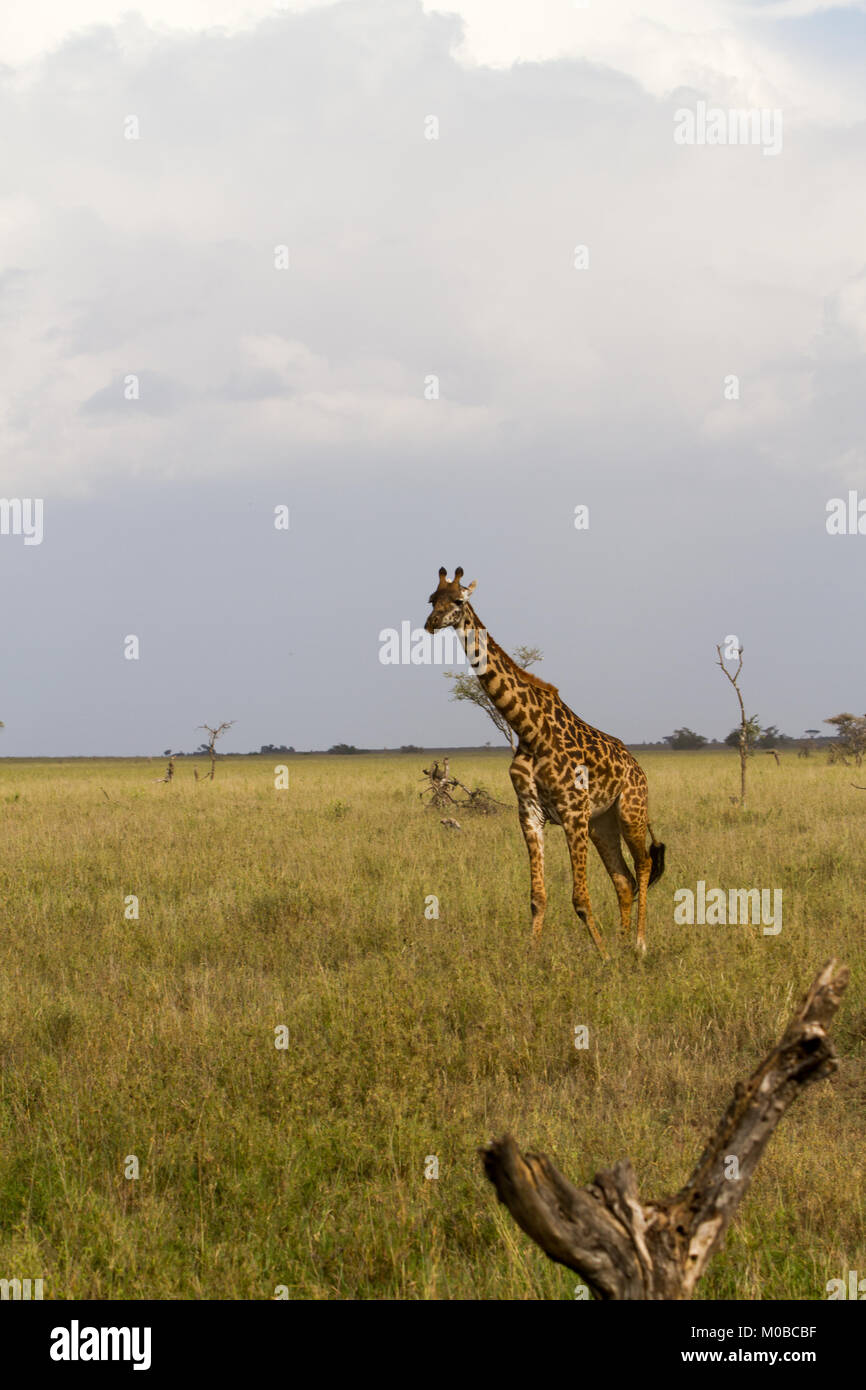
[(407, 1037)]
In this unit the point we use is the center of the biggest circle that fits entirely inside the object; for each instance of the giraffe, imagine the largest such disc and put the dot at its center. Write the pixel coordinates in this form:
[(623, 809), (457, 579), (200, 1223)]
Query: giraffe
[(564, 771)]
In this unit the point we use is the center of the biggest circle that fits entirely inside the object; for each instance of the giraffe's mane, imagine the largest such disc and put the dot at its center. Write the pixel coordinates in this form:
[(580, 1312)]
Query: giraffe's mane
[(512, 665), (527, 676), (535, 680)]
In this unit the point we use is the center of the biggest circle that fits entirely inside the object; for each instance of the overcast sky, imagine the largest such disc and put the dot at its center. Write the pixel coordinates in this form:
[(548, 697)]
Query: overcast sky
[(306, 126)]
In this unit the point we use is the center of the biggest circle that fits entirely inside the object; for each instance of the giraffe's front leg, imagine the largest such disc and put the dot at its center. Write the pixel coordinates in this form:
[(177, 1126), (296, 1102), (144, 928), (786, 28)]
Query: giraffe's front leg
[(532, 825)]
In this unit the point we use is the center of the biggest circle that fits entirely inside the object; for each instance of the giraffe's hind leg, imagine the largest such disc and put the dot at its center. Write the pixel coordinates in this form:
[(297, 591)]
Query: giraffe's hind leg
[(632, 815), (576, 826), (604, 831)]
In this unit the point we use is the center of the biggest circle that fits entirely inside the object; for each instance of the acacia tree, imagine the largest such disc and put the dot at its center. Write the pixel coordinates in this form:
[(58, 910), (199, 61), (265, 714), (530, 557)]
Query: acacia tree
[(754, 734), (684, 739), (744, 721), (467, 686), (210, 747), (850, 735)]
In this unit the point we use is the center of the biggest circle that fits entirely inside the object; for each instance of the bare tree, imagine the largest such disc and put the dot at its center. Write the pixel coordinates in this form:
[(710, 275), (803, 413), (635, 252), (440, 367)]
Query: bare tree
[(625, 1248), (209, 746), (745, 724), (467, 686)]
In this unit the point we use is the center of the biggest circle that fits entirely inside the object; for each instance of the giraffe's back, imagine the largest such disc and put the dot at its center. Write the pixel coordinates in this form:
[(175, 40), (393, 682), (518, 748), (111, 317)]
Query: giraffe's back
[(578, 758)]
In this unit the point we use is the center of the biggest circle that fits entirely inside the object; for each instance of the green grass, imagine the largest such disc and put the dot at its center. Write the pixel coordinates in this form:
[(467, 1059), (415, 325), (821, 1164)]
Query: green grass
[(408, 1037)]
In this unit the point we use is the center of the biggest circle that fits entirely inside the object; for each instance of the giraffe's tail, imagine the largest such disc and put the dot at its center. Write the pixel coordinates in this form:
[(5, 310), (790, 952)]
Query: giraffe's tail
[(657, 857)]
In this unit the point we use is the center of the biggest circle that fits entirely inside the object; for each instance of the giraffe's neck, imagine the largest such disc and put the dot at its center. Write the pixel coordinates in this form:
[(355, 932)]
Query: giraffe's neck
[(503, 680)]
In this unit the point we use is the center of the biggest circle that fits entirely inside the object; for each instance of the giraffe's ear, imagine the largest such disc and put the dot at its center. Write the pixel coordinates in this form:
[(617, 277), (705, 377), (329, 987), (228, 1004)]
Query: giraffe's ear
[(466, 592)]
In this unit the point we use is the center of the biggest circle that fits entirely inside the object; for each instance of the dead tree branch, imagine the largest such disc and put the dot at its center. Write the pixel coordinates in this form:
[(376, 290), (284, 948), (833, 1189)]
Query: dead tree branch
[(626, 1249), (210, 748), (111, 798), (441, 788), (744, 723)]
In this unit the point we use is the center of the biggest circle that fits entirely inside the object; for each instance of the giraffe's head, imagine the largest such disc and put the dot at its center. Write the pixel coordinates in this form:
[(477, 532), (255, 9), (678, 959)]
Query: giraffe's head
[(448, 600)]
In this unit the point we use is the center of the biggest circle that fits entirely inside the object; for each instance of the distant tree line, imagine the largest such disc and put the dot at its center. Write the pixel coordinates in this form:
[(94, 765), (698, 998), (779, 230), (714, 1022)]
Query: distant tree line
[(850, 736), (270, 749), (203, 750)]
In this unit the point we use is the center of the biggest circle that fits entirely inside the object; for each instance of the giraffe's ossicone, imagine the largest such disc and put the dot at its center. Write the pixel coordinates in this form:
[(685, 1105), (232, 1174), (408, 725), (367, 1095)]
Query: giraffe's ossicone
[(564, 771)]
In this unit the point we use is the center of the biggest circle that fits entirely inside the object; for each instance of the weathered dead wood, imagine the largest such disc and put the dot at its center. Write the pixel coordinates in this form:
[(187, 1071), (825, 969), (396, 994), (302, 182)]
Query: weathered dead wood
[(215, 733), (439, 786), (626, 1249), (443, 791)]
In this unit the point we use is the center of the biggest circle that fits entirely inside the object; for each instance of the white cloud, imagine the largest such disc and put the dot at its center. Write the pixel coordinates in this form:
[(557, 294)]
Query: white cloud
[(409, 257), (27, 32), (715, 47), (725, 48)]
